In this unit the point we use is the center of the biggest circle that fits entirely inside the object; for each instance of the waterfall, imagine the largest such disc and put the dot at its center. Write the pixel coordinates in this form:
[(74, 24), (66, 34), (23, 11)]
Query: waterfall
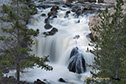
[(71, 32)]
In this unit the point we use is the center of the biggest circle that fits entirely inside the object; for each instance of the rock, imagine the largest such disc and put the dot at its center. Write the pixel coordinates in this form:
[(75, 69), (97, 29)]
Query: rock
[(74, 52), (67, 14), (62, 80), (78, 10), (52, 32), (77, 62), (39, 82), (68, 3), (47, 20), (52, 13), (43, 14), (91, 36), (88, 7), (76, 37), (48, 26), (94, 21), (55, 8), (54, 17)]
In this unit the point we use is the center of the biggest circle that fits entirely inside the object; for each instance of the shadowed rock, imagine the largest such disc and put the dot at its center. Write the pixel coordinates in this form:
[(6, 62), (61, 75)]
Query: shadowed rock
[(76, 61), (48, 26), (62, 80)]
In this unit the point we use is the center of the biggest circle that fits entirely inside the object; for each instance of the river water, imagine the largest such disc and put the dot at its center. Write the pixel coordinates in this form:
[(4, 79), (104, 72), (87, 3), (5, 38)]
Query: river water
[(72, 32)]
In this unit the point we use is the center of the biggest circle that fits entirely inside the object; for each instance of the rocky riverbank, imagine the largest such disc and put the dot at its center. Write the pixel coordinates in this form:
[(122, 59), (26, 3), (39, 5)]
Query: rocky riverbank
[(95, 20)]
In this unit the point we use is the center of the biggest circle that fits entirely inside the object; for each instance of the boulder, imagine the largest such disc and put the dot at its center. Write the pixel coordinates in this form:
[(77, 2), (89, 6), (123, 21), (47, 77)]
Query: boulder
[(43, 14), (52, 32), (76, 61), (48, 26), (62, 80)]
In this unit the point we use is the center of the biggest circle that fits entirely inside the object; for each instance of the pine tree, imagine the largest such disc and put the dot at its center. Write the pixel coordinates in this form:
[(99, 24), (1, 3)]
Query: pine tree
[(16, 39), (110, 47)]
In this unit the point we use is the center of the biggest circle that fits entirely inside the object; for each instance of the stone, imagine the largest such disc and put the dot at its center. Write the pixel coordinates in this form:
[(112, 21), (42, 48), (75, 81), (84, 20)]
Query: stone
[(77, 62), (52, 32), (38, 81), (47, 21), (43, 14), (48, 26), (62, 80), (76, 37), (88, 7), (55, 8)]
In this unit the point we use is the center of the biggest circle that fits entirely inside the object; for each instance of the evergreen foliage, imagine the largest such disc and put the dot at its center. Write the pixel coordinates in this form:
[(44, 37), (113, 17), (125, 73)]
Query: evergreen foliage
[(110, 48), (16, 39)]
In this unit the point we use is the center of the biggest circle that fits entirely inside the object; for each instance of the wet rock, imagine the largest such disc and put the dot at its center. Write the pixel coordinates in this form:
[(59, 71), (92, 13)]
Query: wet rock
[(55, 8), (52, 13), (39, 82), (43, 14), (78, 10), (48, 26), (62, 80), (52, 32), (54, 17), (67, 14), (88, 7), (76, 37), (77, 62), (47, 20)]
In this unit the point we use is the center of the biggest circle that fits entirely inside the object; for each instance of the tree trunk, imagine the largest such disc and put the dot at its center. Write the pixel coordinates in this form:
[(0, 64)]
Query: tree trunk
[(18, 73)]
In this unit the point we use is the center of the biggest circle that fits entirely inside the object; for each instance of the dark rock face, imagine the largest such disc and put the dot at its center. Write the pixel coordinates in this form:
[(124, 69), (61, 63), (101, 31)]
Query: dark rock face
[(76, 62), (48, 26), (62, 80)]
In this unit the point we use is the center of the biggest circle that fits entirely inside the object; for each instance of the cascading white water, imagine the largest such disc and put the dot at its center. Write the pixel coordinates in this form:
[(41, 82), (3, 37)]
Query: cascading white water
[(59, 46)]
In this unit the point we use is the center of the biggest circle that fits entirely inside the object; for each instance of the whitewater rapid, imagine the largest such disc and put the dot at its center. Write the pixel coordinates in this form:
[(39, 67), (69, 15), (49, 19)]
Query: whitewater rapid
[(59, 46)]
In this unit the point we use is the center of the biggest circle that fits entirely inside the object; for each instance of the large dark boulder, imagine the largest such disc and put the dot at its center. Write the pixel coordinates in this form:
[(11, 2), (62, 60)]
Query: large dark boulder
[(62, 80), (77, 62), (48, 26)]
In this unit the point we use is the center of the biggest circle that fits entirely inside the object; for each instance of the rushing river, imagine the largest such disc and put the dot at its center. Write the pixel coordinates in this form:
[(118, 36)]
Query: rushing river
[(72, 32)]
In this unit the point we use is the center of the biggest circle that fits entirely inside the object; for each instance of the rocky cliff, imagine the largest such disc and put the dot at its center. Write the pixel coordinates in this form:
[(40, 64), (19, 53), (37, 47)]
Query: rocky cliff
[(95, 20)]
